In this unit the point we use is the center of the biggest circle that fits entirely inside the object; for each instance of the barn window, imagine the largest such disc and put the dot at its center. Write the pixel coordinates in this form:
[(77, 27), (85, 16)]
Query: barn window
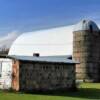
[(84, 21), (36, 54), (91, 28)]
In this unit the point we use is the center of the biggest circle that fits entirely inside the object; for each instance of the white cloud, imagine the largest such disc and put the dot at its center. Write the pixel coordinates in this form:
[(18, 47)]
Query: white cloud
[(6, 41)]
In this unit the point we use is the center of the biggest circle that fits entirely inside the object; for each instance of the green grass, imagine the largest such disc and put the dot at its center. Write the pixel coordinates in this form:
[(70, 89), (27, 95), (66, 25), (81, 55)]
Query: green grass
[(86, 91)]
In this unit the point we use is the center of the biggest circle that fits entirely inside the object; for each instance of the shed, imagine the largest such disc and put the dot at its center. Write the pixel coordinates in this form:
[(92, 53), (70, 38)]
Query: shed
[(42, 73)]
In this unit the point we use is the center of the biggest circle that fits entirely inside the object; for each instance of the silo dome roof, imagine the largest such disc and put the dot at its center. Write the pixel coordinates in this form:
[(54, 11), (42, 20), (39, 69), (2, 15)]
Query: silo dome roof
[(85, 25)]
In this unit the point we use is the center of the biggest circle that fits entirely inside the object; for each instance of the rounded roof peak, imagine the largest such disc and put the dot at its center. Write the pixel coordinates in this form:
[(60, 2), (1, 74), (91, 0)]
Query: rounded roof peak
[(56, 41), (86, 25)]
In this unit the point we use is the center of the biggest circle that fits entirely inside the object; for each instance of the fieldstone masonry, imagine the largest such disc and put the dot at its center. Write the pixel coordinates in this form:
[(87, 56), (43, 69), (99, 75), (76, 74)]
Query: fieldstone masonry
[(44, 76)]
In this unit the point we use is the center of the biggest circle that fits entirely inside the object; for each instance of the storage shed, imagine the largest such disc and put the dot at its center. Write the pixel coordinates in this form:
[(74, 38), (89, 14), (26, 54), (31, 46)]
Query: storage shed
[(42, 73)]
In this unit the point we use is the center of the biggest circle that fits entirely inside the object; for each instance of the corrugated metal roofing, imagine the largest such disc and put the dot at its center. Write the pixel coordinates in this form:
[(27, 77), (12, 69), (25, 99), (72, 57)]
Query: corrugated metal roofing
[(55, 59)]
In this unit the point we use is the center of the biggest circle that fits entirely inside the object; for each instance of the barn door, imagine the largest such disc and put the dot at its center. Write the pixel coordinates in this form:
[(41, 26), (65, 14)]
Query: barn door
[(6, 73)]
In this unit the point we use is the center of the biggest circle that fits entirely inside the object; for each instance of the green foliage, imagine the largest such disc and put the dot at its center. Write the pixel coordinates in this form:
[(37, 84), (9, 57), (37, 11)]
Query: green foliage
[(86, 91)]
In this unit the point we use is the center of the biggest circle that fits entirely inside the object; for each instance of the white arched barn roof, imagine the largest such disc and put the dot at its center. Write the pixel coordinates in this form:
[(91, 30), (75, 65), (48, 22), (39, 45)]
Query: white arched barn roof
[(55, 41)]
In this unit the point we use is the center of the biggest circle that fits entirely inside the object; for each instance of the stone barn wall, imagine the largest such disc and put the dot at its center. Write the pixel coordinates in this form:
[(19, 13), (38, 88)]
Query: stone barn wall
[(46, 76)]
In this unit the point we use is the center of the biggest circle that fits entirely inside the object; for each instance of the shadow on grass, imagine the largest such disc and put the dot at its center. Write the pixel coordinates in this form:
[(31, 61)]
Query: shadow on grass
[(88, 93), (84, 93)]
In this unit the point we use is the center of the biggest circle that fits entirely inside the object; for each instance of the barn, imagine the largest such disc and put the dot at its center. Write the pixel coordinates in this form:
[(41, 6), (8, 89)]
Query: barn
[(45, 73), (45, 53)]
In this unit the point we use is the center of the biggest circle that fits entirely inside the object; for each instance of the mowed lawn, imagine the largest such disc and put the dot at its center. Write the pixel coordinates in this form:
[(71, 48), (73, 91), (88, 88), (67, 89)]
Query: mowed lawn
[(86, 91)]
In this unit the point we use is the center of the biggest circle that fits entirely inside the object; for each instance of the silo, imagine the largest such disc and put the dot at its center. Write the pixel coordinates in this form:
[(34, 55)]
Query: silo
[(86, 50)]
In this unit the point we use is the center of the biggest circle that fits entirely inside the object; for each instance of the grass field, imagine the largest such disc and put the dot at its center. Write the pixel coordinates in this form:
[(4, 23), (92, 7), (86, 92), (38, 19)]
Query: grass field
[(86, 91)]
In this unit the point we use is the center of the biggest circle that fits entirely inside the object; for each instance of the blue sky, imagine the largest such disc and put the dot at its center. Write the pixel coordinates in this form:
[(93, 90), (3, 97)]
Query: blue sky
[(29, 15)]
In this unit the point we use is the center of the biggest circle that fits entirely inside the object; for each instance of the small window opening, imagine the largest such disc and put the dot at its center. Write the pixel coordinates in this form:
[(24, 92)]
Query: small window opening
[(91, 28), (84, 21), (36, 54)]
